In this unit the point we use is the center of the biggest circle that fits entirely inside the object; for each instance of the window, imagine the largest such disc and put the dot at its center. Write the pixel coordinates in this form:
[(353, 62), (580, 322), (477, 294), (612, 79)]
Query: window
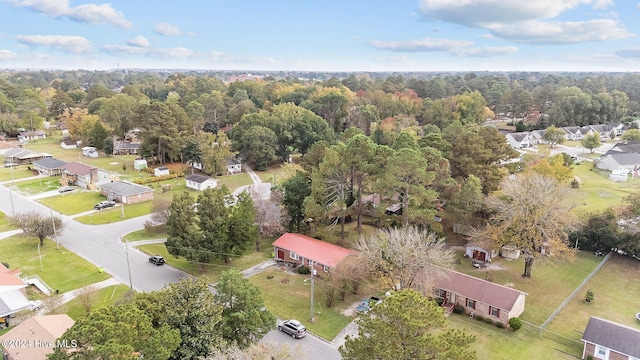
[(293, 255), (325, 268), (602, 352), (471, 303), (310, 262), (494, 311), (439, 293)]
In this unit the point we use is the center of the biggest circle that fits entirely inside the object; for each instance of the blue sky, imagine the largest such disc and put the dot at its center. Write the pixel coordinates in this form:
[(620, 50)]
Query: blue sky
[(322, 35)]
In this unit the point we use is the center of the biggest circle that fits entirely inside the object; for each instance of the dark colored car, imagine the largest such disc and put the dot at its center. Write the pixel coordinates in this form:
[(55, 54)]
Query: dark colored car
[(104, 204), (65, 189), (367, 304), (293, 328), (156, 259)]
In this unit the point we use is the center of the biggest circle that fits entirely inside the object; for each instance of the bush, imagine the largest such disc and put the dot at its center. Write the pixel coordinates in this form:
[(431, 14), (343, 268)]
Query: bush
[(6, 264), (439, 301), (304, 270), (479, 317), (515, 323), (588, 297), (459, 309), (124, 166), (499, 325), (488, 321)]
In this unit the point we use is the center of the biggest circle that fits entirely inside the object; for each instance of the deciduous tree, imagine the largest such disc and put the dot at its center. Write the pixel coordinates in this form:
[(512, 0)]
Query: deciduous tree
[(35, 224), (591, 141), (553, 135)]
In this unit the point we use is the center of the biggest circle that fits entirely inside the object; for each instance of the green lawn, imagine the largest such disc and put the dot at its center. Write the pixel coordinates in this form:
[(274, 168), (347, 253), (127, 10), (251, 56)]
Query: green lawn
[(101, 297), (212, 270), (597, 191), (37, 186), (4, 223), (61, 269), (19, 172), (114, 214), (234, 181), (143, 235), (73, 202), (288, 297)]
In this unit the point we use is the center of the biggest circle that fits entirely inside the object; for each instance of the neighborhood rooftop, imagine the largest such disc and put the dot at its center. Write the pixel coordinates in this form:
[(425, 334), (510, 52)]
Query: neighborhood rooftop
[(310, 248), (197, 178), (125, 188), (618, 337), (50, 163)]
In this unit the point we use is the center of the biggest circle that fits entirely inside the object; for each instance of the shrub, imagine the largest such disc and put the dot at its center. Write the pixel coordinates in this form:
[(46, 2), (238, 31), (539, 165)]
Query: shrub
[(304, 270), (499, 325), (269, 277), (459, 309), (439, 301), (124, 166), (6, 264), (479, 317), (588, 297), (515, 323), (488, 321)]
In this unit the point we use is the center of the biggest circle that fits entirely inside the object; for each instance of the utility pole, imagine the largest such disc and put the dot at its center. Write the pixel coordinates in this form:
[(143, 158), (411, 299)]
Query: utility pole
[(313, 273), (53, 223), (126, 249)]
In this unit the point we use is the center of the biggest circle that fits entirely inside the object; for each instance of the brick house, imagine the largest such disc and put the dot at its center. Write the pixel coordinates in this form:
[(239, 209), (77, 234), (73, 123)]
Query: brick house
[(126, 192), (607, 340), (312, 253), (478, 297)]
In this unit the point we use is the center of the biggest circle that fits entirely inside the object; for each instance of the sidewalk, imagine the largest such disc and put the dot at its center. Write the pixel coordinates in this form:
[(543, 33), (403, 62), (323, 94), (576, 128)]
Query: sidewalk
[(70, 295), (6, 234)]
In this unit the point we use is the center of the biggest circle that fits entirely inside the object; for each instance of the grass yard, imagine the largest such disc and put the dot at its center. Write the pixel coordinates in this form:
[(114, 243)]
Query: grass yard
[(37, 186), (212, 270), (234, 181), (144, 235), (114, 214), (597, 192), (73, 202), (101, 297), (61, 269), (4, 223), (296, 303), (19, 172)]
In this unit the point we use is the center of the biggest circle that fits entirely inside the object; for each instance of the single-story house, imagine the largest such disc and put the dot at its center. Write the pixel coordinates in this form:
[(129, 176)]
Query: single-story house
[(23, 156), (31, 135), (90, 151), (620, 175), (607, 340), (626, 161), (69, 144), (49, 166), (12, 293), (126, 192), (200, 182), (41, 333), (313, 253), (126, 148), (478, 296), (233, 166), (139, 164), (480, 251), (79, 174), (160, 171), (519, 140)]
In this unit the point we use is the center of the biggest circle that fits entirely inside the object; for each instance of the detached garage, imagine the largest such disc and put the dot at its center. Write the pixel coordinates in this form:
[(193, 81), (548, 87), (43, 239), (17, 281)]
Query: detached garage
[(480, 251)]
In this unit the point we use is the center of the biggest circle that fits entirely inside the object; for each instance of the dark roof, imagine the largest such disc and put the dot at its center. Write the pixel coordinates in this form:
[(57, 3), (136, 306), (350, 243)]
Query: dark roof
[(477, 289), (232, 162), (50, 163), (519, 136), (162, 168), (614, 336), (125, 188), (630, 147), (75, 168), (19, 153), (197, 178), (625, 158), (309, 248), (125, 145), (69, 142)]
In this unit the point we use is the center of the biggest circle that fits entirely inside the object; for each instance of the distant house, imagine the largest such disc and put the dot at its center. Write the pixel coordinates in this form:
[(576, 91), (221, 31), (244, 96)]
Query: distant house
[(573, 133), (90, 151), (200, 182), (604, 339), (23, 156), (480, 251), (478, 297), (233, 166), (126, 192), (49, 166), (69, 144), (31, 135), (126, 148), (520, 140), (41, 333), (12, 293), (312, 253), (621, 161), (79, 174), (160, 171)]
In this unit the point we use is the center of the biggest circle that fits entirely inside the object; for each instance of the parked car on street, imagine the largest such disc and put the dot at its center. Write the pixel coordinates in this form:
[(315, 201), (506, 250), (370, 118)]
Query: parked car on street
[(367, 304), (156, 259), (65, 189), (293, 328), (104, 204)]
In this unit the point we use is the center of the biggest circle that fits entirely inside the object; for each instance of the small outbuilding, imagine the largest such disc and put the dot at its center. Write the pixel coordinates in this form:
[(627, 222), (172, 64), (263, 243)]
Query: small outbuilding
[(90, 151), (69, 144), (510, 252), (620, 175), (139, 164), (160, 171), (200, 182), (480, 251)]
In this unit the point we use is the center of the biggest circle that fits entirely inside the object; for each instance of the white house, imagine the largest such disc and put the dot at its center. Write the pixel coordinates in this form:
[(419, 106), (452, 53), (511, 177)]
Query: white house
[(68, 144), (233, 166), (622, 161), (161, 171), (200, 182), (520, 140)]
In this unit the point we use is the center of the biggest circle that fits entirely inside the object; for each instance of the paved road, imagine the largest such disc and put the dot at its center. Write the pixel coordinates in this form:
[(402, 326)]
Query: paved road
[(309, 347)]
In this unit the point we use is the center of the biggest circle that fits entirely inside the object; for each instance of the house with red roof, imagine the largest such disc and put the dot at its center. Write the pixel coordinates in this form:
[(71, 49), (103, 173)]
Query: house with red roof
[(79, 174), (313, 253), (12, 292), (478, 296)]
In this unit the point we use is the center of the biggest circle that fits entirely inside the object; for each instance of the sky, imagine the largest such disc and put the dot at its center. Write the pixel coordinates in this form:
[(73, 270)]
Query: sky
[(322, 35)]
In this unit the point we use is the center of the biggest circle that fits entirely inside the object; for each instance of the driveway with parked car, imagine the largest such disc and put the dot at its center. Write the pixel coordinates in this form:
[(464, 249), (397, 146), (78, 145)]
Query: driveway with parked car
[(104, 205)]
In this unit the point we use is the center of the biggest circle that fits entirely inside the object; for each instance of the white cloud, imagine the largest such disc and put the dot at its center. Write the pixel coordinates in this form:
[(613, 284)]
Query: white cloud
[(73, 44), (632, 52), (139, 41), (601, 4), (88, 13), (163, 53), (7, 55), (167, 29), (539, 32), (489, 51), (419, 45)]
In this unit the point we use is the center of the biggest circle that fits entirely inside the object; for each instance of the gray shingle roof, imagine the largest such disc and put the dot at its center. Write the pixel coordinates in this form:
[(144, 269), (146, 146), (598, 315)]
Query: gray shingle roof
[(125, 188), (626, 158), (197, 178), (50, 163), (614, 336)]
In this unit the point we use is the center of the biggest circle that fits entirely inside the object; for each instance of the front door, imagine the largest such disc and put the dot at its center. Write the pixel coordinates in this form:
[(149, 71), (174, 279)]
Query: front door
[(280, 254)]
